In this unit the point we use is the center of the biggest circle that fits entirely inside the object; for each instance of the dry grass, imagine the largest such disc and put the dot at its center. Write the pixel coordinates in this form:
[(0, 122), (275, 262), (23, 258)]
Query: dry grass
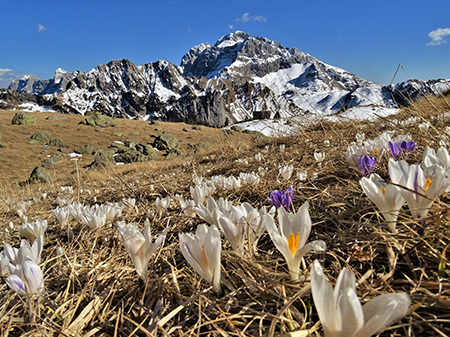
[(93, 289)]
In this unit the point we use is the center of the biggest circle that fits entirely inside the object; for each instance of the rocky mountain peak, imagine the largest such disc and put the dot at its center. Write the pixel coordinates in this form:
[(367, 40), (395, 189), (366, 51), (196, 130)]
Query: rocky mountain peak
[(238, 78)]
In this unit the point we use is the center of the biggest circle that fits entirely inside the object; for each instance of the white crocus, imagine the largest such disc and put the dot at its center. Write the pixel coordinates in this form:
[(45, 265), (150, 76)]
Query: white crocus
[(210, 213), (353, 154), (187, 206), (61, 214), (291, 235), (139, 245), (93, 218), (421, 188), (4, 262), (387, 197), (162, 205), (302, 175), (32, 230), (16, 256), (26, 280), (199, 193), (319, 156), (202, 252), (340, 310), (286, 171)]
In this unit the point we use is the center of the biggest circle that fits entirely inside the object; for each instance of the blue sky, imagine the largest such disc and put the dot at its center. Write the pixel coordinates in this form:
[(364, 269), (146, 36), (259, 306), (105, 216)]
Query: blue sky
[(367, 38)]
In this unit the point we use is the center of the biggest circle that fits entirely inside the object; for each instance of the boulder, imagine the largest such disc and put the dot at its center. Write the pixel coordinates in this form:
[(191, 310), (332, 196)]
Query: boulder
[(99, 120), (40, 175), (85, 149), (57, 142), (22, 118), (42, 137), (165, 142)]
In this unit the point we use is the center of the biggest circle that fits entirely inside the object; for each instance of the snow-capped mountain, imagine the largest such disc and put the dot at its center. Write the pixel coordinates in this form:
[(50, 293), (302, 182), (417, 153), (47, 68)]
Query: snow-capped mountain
[(240, 77)]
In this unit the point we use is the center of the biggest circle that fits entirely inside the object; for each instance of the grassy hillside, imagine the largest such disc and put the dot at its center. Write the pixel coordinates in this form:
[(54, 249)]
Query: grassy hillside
[(92, 289)]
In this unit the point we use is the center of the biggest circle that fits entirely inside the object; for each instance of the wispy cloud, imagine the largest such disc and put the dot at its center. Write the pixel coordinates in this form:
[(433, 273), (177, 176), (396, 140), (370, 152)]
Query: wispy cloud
[(246, 17), (8, 75), (437, 36), (41, 28)]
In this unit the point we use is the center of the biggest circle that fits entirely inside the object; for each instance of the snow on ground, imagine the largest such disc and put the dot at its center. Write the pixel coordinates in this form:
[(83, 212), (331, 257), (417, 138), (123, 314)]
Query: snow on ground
[(34, 107), (290, 126)]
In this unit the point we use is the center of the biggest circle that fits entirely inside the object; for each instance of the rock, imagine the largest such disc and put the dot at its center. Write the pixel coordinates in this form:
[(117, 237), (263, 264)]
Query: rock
[(99, 120), (57, 118), (131, 156), (84, 149), (102, 159), (236, 128), (22, 118), (57, 142), (42, 137), (165, 142), (198, 127), (3, 145), (118, 134), (50, 162), (40, 175), (199, 147)]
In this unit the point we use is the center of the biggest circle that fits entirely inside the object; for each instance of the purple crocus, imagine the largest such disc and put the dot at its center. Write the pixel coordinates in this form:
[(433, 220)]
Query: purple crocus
[(367, 164), (395, 149), (282, 198), (408, 146)]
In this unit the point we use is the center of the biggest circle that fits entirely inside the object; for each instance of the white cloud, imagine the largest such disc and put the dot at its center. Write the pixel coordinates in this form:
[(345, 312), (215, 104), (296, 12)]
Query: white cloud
[(246, 18), (230, 26), (41, 28), (437, 36), (8, 75)]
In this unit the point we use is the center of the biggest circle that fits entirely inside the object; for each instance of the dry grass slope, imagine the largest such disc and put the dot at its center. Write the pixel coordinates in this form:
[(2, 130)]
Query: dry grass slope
[(93, 289)]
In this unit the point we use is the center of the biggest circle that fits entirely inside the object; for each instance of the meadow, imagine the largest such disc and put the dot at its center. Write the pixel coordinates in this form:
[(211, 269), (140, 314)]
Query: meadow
[(91, 287)]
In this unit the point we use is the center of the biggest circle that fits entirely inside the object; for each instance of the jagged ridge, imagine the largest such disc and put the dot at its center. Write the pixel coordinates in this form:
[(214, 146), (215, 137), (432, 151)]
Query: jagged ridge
[(240, 77)]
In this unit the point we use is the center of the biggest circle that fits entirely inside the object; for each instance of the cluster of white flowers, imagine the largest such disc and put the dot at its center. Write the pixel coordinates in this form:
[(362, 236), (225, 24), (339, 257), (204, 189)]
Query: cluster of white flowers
[(93, 216), (418, 185)]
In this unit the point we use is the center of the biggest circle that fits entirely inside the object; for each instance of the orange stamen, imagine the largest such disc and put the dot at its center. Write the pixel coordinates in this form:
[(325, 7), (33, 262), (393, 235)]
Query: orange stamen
[(376, 151), (428, 183), (293, 242), (383, 190)]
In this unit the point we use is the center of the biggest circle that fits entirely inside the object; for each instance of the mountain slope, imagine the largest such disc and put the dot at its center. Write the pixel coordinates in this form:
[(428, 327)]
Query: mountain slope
[(240, 77)]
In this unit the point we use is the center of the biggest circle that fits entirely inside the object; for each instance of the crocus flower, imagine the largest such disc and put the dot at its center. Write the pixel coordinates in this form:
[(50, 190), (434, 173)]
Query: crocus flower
[(61, 214), (302, 175), (26, 280), (395, 149), (387, 197), (93, 218), (286, 171), (16, 256), (4, 262), (408, 146), (139, 247), (290, 237), (421, 188), (32, 230), (282, 198), (366, 164), (340, 310), (202, 252), (187, 206), (353, 154), (162, 205)]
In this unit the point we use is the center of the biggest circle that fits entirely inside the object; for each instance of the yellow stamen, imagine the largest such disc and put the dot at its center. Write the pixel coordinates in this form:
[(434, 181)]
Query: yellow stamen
[(383, 190), (293, 242), (428, 183)]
